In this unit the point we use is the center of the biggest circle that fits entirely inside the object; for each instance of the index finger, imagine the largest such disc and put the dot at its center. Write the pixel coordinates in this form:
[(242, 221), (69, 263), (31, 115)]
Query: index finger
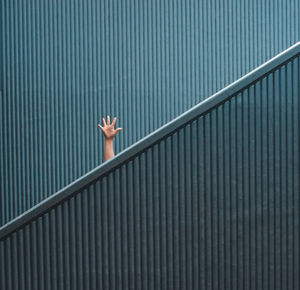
[(114, 121), (104, 121)]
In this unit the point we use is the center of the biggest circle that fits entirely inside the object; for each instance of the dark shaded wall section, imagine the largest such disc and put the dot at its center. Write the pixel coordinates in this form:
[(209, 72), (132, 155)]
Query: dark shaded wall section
[(65, 64), (212, 205)]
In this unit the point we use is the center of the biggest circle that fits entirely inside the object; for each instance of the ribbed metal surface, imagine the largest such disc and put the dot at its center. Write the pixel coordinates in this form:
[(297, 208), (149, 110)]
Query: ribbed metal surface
[(65, 64), (214, 205)]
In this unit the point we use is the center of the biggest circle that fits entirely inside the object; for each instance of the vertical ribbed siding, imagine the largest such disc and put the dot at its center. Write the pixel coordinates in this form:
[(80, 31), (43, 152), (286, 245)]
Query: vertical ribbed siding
[(65, 64), (214, 205)]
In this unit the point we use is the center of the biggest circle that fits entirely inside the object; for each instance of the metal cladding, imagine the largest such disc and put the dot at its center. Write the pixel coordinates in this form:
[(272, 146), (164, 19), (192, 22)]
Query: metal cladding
[(209, 201), (66, 64)]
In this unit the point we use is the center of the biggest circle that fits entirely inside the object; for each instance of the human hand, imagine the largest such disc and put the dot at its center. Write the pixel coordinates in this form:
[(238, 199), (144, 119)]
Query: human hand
[(108, 129)]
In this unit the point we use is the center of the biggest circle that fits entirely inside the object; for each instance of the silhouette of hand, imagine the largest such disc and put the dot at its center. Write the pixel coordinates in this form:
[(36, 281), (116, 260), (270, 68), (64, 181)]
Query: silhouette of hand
[(108, 129)]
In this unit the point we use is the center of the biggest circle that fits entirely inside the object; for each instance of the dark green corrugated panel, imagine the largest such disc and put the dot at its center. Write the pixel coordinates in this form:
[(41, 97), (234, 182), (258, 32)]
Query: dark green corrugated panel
[(210, 201), (65, 64)]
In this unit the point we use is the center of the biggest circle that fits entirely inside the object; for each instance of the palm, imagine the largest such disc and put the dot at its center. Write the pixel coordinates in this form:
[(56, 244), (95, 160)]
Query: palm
[(108, 128)]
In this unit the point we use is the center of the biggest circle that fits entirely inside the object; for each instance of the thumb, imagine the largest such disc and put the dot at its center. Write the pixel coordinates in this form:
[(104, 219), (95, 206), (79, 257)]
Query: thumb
[(118, 129)]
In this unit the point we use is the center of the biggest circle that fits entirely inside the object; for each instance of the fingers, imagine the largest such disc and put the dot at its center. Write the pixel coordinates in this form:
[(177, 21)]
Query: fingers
[(107, 123)]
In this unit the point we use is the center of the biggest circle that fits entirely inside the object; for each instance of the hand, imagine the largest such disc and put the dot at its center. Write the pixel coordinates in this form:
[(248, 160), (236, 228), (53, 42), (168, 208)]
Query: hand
[(108, 129)]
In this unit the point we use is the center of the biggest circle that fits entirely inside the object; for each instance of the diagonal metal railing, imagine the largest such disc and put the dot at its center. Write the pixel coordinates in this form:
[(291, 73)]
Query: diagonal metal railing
[(209, 199)]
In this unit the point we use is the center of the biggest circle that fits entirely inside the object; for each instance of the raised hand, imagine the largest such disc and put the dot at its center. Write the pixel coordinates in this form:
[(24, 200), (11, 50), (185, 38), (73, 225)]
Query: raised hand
[(108, 129), (109, 133)]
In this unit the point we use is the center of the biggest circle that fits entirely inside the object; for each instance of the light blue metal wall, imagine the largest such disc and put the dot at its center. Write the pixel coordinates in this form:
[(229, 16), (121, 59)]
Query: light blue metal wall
[(209, 202), (65, 64)]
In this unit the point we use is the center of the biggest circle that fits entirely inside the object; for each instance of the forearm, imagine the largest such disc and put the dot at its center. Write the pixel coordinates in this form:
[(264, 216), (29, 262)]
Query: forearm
[(109, 149)]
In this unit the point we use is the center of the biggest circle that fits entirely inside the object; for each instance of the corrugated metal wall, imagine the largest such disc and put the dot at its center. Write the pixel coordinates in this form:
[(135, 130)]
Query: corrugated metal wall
[(212, 205), (65, 64)]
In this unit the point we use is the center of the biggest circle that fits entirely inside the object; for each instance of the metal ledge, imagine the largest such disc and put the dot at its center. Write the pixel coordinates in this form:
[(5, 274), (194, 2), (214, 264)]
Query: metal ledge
[(149, 140)]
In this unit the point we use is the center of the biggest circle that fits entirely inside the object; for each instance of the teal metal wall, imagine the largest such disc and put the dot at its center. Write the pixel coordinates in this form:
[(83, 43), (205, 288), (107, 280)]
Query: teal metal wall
[(209, 201), (65, 64)]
